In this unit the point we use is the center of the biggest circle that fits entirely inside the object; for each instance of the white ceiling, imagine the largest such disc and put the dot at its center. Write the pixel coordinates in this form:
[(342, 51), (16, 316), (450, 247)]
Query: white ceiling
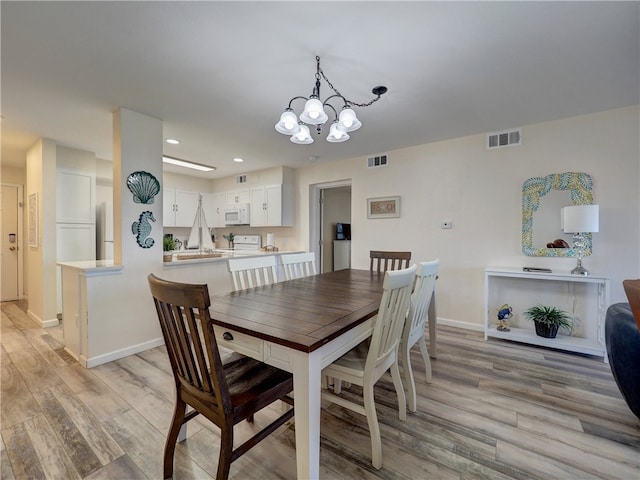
[(219, 74)]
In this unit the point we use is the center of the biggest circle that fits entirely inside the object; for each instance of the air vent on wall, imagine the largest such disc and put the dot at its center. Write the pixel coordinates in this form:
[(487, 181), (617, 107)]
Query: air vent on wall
[(241, 178), (377, 161), (504, 139)]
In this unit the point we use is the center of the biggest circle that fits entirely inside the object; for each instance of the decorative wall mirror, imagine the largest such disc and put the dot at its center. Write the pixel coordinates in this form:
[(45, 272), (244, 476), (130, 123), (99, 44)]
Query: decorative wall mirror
[(542, 198)]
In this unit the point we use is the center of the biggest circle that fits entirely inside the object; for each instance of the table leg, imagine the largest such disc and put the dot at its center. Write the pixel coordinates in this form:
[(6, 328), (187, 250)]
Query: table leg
[(431, 317), (306, 392)]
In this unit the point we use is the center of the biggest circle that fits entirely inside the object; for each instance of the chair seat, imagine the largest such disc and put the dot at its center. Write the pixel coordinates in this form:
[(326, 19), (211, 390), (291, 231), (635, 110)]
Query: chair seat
[(253, 384), (352, 362)]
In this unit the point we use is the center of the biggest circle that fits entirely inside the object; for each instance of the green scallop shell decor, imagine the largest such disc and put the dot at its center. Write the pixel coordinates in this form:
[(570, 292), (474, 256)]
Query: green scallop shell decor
[(144, 187)]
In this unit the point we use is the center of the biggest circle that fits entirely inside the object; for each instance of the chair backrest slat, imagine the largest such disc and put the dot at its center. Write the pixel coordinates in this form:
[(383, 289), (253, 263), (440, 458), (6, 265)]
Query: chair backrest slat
[(298, 265), (183, 312), (426, 276), (385, 260), (252, 272), (392, 313)]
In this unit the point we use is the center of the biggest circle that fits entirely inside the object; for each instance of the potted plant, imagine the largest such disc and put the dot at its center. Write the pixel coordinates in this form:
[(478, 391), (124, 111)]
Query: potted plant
[(168, 246), (229, 238), (548, 319)]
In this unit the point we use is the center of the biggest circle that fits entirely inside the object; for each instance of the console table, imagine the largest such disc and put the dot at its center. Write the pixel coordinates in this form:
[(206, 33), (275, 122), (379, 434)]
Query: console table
[(583, 297)]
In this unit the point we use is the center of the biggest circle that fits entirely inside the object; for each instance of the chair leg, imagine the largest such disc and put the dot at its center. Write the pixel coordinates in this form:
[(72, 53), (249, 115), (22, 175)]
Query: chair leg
[(226, 452), (374, 428), (405, 356), (172, 437), (425, 357), (397, 383)]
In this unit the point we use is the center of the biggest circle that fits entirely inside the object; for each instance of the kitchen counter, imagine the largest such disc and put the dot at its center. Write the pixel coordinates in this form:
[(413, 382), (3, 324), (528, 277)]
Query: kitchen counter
[(225, 254)]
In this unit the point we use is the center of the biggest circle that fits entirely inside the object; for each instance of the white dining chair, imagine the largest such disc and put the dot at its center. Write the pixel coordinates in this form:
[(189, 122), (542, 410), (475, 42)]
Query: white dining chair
[(368, 361), (252, 271), (413, 331), (298, 265)]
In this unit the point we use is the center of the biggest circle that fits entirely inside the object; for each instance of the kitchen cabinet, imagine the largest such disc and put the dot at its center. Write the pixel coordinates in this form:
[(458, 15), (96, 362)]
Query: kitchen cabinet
[(179, 207), (234, 197), (584, 298), (272, 206), (214, 205)]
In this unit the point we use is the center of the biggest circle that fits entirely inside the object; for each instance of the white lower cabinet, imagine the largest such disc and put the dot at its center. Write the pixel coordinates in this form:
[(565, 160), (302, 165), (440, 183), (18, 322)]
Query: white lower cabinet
[(584, 298)]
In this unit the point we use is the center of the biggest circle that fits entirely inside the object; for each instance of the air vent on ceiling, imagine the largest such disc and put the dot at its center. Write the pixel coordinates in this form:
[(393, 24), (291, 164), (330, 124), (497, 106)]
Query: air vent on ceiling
[(241, 178), (504, 139), (377, 161)]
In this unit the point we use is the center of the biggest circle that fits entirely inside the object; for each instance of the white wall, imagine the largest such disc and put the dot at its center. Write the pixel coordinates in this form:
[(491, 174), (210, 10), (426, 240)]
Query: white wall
[(480, 192)]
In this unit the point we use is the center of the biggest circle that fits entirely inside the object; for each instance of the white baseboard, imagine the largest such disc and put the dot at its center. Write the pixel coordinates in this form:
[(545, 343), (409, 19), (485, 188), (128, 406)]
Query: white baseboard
[(54, 322), (458, 324), (117, 354)]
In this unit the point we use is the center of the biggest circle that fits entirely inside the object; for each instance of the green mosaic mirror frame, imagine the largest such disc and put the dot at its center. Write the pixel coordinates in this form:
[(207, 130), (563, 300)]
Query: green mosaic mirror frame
[(579, 185)]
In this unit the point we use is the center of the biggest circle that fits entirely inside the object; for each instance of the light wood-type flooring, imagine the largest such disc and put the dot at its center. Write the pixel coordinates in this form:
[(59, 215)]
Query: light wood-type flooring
[(495, 410)]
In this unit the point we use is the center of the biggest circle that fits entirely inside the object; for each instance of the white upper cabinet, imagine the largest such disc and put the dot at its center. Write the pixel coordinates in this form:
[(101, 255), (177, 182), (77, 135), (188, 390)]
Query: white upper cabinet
[(235, 197), (214, 205), (179, 207), (272, 206), (75, 197)]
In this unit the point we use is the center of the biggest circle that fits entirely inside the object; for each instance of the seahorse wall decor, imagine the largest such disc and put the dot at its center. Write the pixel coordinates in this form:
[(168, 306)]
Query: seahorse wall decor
[(142, 229)]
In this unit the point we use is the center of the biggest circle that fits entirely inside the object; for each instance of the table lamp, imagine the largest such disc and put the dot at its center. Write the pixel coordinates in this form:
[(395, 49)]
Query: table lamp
[(579, 220)]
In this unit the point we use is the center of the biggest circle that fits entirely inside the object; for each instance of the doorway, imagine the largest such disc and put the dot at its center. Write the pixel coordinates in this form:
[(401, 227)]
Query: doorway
[(330, 205), (10, 242)]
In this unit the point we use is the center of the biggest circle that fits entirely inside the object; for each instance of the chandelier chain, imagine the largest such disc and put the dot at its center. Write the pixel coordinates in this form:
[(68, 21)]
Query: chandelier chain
[(348, 102)]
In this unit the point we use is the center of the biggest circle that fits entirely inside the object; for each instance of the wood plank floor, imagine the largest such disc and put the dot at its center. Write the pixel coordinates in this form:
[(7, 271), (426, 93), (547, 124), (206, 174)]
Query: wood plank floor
[(495, 410)]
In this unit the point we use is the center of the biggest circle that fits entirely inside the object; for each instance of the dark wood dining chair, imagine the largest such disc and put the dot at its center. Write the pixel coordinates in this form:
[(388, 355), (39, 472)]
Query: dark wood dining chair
[(384, 261), (224, 392)]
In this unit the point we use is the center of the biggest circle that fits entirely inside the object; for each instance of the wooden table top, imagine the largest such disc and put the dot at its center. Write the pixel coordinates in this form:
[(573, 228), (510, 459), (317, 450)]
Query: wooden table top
[(302, 314)]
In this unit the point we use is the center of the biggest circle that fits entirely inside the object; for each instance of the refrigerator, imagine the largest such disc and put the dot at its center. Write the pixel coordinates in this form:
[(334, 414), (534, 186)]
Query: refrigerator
[(104, 231)]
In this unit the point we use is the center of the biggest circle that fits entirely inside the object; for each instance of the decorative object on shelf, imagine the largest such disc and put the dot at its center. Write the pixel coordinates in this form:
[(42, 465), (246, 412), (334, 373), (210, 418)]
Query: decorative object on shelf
[(578, 184), (580, 220), (383, 207), (504, 313), (558, 243), (144, 187), (229, 238), (168, 246), (142, 229), (315, 115), (547, 320)]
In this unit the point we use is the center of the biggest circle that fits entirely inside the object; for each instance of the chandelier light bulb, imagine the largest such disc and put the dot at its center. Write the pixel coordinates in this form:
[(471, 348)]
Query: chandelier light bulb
[(313, 113), (288, 124), (337, 134), (348, 120), (303, 136)]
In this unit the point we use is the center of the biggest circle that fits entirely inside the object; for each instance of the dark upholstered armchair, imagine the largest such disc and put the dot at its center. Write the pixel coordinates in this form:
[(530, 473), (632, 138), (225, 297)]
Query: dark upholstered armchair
[(623, 348)]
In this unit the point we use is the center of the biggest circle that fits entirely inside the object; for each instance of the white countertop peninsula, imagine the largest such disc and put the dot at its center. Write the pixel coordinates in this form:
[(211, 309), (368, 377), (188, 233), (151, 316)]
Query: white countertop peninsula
[(107, 309)]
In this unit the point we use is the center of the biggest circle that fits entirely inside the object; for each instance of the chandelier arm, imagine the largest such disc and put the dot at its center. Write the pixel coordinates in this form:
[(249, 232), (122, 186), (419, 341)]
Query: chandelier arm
[(348, 102), (296, 98)]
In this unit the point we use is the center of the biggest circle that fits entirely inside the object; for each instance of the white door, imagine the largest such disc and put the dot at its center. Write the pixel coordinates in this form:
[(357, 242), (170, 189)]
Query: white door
[(9, 243)]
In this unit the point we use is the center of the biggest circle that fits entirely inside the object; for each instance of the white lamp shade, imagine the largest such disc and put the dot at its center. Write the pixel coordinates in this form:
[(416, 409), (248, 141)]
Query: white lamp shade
[(303, 137), (288, 123), (314, 112), (580, 219), (348, 120), (337, 134)]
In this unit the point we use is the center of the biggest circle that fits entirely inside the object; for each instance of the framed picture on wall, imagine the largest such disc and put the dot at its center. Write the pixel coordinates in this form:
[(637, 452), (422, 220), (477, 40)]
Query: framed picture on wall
[(383, 207), (33, 220)]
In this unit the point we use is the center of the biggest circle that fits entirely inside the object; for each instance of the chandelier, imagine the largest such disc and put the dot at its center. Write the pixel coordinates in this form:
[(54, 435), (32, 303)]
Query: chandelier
[(314, 114)]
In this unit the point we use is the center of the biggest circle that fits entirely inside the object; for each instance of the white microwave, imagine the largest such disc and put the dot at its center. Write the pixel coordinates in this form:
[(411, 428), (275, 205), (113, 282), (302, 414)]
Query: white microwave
[(238, 215)]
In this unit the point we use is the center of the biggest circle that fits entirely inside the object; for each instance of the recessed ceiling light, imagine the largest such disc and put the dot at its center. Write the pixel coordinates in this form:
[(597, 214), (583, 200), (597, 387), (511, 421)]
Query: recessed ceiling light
[(238, 159), (173, 141), (184, 163)]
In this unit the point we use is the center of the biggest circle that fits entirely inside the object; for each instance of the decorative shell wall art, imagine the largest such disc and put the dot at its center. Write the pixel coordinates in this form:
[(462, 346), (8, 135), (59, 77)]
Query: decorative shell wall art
[(144, 187), (142, 229)]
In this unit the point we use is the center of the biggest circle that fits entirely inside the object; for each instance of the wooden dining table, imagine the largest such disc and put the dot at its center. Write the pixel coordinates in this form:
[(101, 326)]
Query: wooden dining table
[(301, 326)]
